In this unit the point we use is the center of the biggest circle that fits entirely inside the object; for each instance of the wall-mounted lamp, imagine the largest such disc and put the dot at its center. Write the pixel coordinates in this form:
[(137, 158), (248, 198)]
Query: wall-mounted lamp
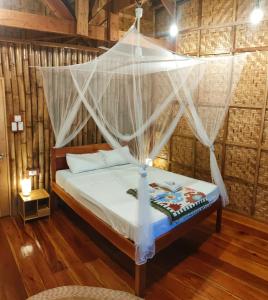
[(257, 14), (173, 30)]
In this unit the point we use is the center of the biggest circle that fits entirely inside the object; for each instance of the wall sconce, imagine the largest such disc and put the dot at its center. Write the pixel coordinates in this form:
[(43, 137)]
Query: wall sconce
[(26, 186)]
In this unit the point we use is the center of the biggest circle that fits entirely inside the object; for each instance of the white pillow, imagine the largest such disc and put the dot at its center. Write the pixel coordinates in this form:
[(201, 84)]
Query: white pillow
[(120, 156), (85, 162)]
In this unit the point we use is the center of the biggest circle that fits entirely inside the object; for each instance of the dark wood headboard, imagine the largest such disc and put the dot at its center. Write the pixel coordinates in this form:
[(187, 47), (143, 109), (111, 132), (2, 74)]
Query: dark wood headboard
[(58, 156)]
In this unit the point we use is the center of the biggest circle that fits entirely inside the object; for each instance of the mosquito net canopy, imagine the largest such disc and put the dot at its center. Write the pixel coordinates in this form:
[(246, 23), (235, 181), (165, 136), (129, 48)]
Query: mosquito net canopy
[(136, 93)]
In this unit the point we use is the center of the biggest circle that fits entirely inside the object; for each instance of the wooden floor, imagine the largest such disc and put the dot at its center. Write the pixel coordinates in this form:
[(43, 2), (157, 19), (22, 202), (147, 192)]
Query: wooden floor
[(204, 265)]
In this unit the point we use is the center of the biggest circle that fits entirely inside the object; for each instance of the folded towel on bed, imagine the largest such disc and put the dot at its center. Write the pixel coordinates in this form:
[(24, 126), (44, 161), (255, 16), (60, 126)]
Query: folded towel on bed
[(174, 204)]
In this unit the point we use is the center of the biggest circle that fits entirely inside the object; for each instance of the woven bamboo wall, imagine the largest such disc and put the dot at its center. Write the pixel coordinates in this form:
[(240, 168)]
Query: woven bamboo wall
[(211, 27), (25, 96)]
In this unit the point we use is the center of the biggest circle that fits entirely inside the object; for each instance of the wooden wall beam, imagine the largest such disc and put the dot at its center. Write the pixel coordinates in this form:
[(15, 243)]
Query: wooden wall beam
[(23, 20), (59, 9), (113, 27), (82, 14)]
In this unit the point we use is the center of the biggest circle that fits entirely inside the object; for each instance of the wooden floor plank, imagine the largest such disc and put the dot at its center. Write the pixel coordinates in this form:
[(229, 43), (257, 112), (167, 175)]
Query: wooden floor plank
[(202, 265), (11, 284)]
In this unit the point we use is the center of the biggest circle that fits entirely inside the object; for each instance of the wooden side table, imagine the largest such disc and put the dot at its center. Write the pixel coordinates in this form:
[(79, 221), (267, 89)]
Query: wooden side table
[(35, 206)]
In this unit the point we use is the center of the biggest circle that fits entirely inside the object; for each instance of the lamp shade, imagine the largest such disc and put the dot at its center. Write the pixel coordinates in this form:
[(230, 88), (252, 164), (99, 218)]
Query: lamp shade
[(26, 186)]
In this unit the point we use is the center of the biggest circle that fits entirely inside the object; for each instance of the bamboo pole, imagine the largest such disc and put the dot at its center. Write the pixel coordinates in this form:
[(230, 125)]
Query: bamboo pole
[(22, 102), (9, 107), (84, 58), (45, 127), (34, 105), (16, 111), (28, 113), (40, 118)]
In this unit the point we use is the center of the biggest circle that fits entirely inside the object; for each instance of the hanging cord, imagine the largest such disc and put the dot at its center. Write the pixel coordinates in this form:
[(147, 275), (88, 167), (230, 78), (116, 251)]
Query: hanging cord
[(139, 13)]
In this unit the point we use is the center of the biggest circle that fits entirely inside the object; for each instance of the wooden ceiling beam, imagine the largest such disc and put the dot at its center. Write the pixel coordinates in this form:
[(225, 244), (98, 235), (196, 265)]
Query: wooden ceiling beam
[(123, 4), (82, 14), (170, 6), (23, 20), (59, 9)]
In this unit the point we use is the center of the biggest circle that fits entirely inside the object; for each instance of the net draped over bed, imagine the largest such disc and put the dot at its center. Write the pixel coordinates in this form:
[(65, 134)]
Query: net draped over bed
[(137, 93)]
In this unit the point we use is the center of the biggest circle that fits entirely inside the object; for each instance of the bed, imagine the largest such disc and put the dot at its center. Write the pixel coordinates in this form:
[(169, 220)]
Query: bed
[(111, 214)]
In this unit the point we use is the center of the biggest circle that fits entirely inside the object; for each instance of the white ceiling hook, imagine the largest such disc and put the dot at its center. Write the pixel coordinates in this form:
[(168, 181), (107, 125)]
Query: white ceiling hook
[(139, 12)]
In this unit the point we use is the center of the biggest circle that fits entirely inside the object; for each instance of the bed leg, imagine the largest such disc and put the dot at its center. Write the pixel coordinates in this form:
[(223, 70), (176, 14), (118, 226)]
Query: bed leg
[(218, 219), (140, 279)]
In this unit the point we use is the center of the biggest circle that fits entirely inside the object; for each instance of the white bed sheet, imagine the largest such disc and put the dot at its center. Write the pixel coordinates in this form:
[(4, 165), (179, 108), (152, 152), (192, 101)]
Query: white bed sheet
[(103, 192)]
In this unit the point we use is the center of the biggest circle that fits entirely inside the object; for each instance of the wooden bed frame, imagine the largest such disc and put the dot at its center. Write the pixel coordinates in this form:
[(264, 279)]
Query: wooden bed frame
[(125, 245)]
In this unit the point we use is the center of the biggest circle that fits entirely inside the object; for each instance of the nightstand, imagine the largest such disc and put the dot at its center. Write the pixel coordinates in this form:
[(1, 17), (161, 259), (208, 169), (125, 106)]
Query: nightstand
[(35, 206)]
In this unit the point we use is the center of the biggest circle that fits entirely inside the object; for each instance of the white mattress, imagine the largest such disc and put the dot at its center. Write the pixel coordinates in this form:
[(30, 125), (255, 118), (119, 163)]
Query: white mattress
[(104, 193)]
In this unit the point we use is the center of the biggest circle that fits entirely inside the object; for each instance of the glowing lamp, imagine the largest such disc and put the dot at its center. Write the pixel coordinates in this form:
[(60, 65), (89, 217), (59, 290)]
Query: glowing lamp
[(149, 162), (26, 186), (173, 30), (256, 15)]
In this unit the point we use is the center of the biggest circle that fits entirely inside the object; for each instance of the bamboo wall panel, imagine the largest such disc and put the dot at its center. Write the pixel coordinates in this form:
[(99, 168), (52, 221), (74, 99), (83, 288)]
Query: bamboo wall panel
[(182, 150), (188, 43), (263, 171), (216, 41), (261, 209), (241, 196), (181, 169), (240, 163), (252, 36), (25, 96), (161, 163), (203, 157), (242, 145), (251, 89), (187, 14), (244, 126), (265, 132), (217, 12), (245, 7)]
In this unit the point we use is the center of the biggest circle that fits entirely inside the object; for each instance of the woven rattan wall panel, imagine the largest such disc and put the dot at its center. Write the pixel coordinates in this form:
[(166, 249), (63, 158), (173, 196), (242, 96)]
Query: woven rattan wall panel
[(217, 12), (187, 14), (245, 7), (263, 170), (216, 41), (182, 150), (252, 36), (161, 163), (240, 163), (241, 196), (261, 209), (242, 144), (265, 132), (251, 91), (183, 128), (201, 175), (244, 126), (188, 43), (180, 169), (164, 153), (202, 156)]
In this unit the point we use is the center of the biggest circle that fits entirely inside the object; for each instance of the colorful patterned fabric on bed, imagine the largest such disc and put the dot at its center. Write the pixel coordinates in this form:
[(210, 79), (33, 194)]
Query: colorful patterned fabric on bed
[(174, 204)]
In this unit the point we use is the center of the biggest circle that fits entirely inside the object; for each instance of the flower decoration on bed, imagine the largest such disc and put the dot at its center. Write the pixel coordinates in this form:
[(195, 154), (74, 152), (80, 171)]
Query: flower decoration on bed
[(174, 204)]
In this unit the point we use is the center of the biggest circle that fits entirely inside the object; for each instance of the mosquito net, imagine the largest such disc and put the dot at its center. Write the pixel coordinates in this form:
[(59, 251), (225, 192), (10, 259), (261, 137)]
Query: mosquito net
[(136, 93)]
